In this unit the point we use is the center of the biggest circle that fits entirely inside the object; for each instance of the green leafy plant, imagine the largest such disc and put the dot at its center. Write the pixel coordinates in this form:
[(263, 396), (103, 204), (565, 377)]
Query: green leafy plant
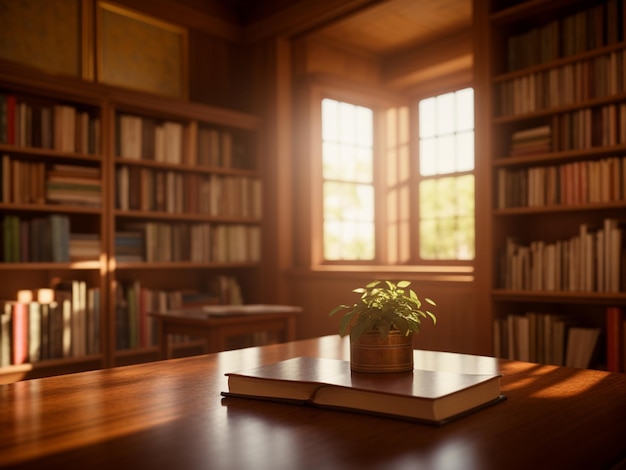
[(384, 306)]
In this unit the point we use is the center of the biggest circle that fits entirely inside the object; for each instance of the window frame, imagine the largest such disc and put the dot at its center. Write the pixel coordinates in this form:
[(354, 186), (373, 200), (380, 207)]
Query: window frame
[(309, 230), (418, 178)]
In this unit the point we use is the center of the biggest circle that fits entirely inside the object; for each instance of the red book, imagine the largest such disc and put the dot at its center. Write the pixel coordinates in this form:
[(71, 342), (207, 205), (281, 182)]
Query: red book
[(614, 339), (20, 333)]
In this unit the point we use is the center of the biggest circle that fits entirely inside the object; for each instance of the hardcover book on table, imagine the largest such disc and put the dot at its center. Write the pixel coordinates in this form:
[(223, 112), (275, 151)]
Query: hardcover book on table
[(429, 396)]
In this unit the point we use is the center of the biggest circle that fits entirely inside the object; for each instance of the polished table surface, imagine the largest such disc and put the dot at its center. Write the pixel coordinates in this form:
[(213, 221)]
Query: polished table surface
[(170, 414)]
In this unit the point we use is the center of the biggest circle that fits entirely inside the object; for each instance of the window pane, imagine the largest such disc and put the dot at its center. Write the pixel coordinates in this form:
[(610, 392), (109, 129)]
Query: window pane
[(348, 202), (428, 157), (348, 175), (348, 241), (330, 111), (445, 113), (465, 109), (446, 203), (447, 218), (465, 151), (446, 156), (427, 113)]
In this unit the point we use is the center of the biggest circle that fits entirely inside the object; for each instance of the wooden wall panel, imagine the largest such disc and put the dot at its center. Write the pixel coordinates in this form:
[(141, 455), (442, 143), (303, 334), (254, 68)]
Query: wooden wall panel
[(45, 35), (316, 57), (217, 73), (456, 329)]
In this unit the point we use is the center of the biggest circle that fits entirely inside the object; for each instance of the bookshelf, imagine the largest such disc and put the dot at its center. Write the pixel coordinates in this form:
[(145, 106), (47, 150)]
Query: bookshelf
[(555, 129), (122, 203), (185, 216), (53, 228)]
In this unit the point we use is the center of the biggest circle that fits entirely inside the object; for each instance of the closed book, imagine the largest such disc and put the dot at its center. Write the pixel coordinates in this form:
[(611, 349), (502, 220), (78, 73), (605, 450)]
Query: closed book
[(5, 333), (429, 396), (34, 331), (20, 333)]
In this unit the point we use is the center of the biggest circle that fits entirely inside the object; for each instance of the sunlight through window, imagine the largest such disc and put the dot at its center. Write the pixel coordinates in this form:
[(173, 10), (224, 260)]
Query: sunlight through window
[(347, 172), (446, 190)]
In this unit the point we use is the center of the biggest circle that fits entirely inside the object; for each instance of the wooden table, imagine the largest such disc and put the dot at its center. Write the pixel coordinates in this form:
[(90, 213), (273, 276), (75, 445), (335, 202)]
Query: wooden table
[(219, 323), (170, 414)]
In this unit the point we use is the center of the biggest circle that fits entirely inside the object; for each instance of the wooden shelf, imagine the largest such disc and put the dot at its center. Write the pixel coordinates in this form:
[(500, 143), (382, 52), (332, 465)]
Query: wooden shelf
[(591, 298), (168, 279), (517, 60)]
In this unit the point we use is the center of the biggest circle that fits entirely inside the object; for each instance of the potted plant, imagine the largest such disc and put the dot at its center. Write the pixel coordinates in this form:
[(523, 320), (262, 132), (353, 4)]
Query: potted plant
[(381, 325)]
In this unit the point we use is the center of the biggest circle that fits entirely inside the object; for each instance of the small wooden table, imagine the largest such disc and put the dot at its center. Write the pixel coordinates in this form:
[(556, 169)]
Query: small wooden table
[(218, 323)]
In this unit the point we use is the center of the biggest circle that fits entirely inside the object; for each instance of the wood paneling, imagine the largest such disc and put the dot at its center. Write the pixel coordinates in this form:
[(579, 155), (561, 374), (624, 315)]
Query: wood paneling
[(398, 24), (456, 330)]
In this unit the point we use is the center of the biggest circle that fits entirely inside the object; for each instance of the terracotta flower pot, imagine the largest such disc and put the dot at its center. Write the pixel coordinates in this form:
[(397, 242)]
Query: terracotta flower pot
[(373, 353)]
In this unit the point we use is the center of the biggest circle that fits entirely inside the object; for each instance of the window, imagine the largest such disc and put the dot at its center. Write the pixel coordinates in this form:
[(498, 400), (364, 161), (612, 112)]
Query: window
[(388, 201), (446, 181), (348, 181)]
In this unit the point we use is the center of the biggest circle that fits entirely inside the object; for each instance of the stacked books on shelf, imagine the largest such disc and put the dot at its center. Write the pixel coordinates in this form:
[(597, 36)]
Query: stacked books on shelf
[(549, 338), (593, 260), (135, 328), (561, 86), (51, 323), (23, 181), (59, 127), (30, 182), (215, 147), (74, 184), (574, 33), (531, 141), (146, 138), (573, 183), (223, 148), (46, 239), (200, 242), (150, 189)]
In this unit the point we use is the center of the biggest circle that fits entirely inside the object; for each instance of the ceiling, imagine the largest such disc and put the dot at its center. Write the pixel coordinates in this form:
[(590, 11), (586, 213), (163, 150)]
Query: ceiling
[(395, 25), (380, 27)]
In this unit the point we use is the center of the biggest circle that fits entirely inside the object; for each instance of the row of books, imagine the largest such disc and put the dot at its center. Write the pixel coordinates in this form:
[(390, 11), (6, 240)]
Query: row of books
[(589, 128), (531, 141), (600, 25), (60, 127), (133, 302), (146, 138), (546, 338), (584, 182), (216, 149), (568, 84), (51, 323), (578, 130), (149, 189), (33, 182), (200, 243), (45, 239), (591, 261)]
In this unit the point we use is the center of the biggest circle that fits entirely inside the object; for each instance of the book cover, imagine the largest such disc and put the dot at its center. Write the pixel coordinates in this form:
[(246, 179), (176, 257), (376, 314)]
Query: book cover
[(5, 333), (429, 396), (20, 333)]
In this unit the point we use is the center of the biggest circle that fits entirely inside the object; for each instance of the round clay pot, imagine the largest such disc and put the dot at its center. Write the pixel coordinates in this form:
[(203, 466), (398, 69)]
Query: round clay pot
[(373, 353)]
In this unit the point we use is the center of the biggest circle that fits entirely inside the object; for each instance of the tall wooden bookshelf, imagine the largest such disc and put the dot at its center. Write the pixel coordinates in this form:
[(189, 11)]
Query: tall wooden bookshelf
[(188, 192), (53, 214), (554, 116)]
